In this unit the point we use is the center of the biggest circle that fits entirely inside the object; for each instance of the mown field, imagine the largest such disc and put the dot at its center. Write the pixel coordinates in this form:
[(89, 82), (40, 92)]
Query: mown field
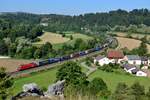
[(134, 35), (130, 43), (12, 64), (57, 40), (52, 38)]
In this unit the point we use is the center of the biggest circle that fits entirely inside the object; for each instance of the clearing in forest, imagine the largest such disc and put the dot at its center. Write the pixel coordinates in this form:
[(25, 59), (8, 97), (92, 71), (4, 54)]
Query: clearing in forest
[(53, 38)]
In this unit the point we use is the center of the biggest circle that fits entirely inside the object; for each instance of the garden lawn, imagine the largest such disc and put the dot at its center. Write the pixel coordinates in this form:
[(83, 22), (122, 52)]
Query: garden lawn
[(43, 79), (112, 79)]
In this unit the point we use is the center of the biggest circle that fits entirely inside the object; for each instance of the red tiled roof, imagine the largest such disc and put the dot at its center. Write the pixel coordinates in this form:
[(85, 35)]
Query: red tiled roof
[(114, 54)]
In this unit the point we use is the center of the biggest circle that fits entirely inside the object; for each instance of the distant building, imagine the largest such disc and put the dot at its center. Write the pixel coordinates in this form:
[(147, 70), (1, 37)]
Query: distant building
[(148, 61), (115, 56), (141, 73), (102, 60), (133, 59), (128, 68), (132, 69), (144, 60), (44, 24)]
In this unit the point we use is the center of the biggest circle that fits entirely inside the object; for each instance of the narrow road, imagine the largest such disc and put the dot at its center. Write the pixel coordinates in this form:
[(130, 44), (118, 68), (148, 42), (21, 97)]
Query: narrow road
[(90, 69)]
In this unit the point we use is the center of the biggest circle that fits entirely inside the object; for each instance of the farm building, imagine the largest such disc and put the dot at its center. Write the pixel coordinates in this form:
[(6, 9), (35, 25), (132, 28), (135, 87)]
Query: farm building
[(133, 59), (115, 56), (102, 60)]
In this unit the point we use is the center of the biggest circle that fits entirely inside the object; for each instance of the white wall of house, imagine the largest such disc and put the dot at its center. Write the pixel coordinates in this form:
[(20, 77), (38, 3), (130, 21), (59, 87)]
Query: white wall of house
[(135, 62), (102, 61), (120, 60), (141, 73), (148, 62)]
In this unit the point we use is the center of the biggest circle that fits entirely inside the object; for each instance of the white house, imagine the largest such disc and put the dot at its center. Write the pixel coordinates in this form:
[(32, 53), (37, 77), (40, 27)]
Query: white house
[(132, 69), (133, 59), (148, 61), (101, 60), (144, 60), (141, 73)]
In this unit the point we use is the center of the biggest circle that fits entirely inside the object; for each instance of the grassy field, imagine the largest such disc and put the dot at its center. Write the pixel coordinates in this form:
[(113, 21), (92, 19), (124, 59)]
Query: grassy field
[(43, 79), (129, 43), (57, 40), (112, 79), (52, 38)]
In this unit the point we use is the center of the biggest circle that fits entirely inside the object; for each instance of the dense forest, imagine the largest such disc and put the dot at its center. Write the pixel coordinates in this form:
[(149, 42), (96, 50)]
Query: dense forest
[(18, 30)]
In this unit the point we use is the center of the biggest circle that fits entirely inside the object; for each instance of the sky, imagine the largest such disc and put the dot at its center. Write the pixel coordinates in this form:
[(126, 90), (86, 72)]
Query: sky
[(70, 7)]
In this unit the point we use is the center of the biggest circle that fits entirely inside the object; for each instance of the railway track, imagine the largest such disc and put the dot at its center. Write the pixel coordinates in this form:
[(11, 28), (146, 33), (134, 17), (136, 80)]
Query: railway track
[(46, 67)]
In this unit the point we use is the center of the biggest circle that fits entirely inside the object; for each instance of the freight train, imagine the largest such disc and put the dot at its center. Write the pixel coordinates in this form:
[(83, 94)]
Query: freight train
[(64, 58)]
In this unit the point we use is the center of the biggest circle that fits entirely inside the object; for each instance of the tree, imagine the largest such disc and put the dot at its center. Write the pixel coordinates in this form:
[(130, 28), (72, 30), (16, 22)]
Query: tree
[(121, 92), (37, 53), (137, 90), (28, 52), (148, 94), (80, 44), (97, 87), (5, 84), (46, 48), (71, 72), (71, 37), (74, 78), (3, 48), (142, 49)]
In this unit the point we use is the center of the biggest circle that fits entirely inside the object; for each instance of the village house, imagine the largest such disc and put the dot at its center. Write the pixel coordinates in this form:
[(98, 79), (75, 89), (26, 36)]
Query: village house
[(115, 56), (132, 69), (148, 61), (133, 59), (144, 60), (102, 60), (128, 68)]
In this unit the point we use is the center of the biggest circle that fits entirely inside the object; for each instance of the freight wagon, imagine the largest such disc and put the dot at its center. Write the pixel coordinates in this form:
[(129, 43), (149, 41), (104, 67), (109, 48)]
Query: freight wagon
[(55, 60)]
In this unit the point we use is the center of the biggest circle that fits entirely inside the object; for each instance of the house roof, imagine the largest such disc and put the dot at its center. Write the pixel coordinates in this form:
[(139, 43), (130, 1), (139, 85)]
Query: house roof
[(128, 66), (144, 58), (99, 57), (133, 57), (134, 71), (115, 54)]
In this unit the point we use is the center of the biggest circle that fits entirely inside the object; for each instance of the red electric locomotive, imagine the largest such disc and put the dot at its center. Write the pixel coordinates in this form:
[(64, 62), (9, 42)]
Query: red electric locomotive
[(27, 66)]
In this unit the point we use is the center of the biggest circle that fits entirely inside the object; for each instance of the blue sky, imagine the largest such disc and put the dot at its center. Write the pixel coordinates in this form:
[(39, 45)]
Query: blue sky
[(70, 7)]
